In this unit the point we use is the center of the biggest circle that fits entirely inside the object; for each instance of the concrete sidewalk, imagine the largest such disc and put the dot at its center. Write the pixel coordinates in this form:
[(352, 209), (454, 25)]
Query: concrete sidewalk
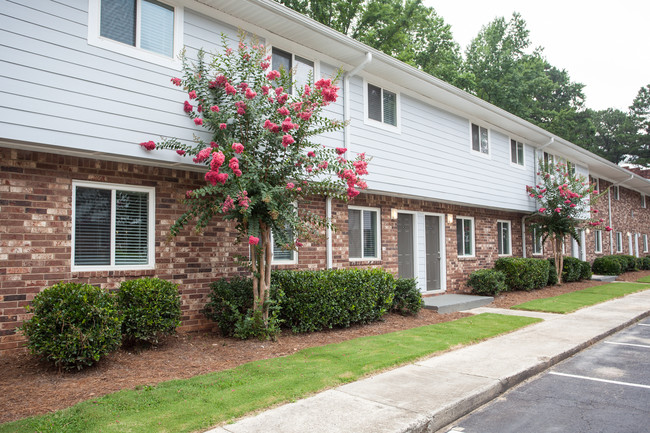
[(429, 394)]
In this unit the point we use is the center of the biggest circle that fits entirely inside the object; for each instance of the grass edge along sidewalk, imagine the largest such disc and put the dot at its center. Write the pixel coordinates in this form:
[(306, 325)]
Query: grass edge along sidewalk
[(207, 400), (570, 302)]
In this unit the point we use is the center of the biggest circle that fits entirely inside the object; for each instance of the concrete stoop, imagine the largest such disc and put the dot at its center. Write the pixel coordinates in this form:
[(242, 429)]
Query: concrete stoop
[(452, 302), (608, 278)]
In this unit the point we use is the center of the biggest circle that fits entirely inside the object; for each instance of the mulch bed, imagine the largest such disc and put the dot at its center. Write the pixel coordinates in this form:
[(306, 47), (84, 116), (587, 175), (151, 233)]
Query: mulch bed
[(29, 387)]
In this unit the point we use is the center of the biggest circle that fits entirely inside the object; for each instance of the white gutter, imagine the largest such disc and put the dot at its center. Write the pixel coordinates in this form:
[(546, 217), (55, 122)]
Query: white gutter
[(346, 144), (328, 232), (346, 97)]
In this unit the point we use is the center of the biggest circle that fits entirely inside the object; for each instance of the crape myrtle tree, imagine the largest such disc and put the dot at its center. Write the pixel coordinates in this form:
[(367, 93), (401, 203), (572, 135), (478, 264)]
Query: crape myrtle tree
[(260, 159), (566, 200)]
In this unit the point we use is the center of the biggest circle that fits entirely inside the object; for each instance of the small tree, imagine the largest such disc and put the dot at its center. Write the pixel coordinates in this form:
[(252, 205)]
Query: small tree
[(566, 201), (260, 158)]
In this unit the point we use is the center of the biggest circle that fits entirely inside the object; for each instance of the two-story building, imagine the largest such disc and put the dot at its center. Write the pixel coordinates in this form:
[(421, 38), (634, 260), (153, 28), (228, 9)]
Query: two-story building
[(85, 81)]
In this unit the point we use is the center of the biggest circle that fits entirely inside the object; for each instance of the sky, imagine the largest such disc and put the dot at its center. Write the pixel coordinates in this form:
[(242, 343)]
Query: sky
[(602, 44)]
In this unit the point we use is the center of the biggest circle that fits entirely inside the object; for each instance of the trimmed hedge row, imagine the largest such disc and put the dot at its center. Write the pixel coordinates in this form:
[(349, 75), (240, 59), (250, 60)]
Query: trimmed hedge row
[(523, 274), (307, 301), (619, 263), (74, 324)]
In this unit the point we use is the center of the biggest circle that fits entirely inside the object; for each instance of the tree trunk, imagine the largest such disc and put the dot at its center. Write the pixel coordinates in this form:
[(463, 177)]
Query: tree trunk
[(262, 272), (559, 258)]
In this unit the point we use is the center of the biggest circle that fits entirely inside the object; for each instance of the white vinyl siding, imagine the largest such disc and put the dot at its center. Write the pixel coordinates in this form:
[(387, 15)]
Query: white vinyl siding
[(504, 241), (465, 236), (363, 233), (598, 241), (112, 227), (480, 139)]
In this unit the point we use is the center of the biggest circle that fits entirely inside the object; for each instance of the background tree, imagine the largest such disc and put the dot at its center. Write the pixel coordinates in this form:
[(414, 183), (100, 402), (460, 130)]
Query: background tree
[(640, 112), (260, 158), (616, 137), (565, 203)]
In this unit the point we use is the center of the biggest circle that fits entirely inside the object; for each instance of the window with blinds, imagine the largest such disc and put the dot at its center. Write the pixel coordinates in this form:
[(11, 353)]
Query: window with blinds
[(147, 24), (363, 233), (281, 254), (480, 141), (382, 105), (301, 69), (503, 241), (112, 226)]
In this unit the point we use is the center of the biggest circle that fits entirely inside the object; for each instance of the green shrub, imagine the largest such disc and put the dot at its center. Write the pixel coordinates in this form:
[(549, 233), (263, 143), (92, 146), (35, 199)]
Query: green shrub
[(523, 274), (571, 270), (552, 273), (487, 282), (607, 265), (231, 306), (407, 299), (74, 325), (151, 308), (315, 300), (628, 263), (228, 302), (585, 271), (646, 263)]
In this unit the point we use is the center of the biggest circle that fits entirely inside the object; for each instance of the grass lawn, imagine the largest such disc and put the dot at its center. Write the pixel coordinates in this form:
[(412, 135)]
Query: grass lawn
[(204, 401), (570, 302), (644, 279)]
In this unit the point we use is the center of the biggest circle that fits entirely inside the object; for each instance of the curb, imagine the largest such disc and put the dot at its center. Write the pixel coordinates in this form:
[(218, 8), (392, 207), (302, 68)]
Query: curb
[(443, 419)]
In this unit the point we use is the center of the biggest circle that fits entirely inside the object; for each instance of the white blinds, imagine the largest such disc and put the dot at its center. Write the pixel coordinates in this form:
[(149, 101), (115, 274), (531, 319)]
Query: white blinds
[(131, 234), (118, 20), (92, 244), (157, 27)]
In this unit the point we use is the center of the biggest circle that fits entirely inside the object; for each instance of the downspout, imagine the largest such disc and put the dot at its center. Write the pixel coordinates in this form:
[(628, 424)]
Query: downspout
[(346, 144), (523, 219), (609, 209)]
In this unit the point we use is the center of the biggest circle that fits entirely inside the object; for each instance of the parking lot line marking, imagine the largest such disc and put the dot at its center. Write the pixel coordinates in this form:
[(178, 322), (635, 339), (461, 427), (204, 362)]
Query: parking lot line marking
[(616, 382), (643, 324), (645, 346)]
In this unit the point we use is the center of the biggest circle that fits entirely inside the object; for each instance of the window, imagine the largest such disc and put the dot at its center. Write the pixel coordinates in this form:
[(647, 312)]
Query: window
[(598, 241), (480, 141), (503, 241), (549, 158), (616, 192), (363, 233), (537, 242), (465, 236), (619, 242), (113, 227), (643, 201), (517, 152), (645, 243), (596, 182), (150, 30), (283, 255), (382, 105), (571, 168), (300, 68)]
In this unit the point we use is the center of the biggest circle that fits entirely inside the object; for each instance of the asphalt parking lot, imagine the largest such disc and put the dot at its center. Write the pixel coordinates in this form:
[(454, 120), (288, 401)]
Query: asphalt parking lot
[(605, 388)]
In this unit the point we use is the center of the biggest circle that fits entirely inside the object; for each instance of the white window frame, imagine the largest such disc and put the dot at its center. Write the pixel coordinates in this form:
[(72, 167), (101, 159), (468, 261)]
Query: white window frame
[(94, 38), (548, 158), (597, 182), (509, 225), (619, 242), (471, 219), (523, 149), (598, 241), (377, 233), (471, 142), (571, 168), (150, 226), (645, 243), (541, 244), (293, 54), (398, 112)]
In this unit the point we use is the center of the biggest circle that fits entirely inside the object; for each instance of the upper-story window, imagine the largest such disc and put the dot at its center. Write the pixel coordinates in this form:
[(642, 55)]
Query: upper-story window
[(150, 30), (480, 139), (113, 227), (549, 158), (517, 152), (570, 168), (381, 105), (301, 69)]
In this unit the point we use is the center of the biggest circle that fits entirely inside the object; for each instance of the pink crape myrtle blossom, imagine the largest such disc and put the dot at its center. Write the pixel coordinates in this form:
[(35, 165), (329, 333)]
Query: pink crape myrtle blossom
[(238, 147), (149, 145), (252, 240), (176, 81)]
